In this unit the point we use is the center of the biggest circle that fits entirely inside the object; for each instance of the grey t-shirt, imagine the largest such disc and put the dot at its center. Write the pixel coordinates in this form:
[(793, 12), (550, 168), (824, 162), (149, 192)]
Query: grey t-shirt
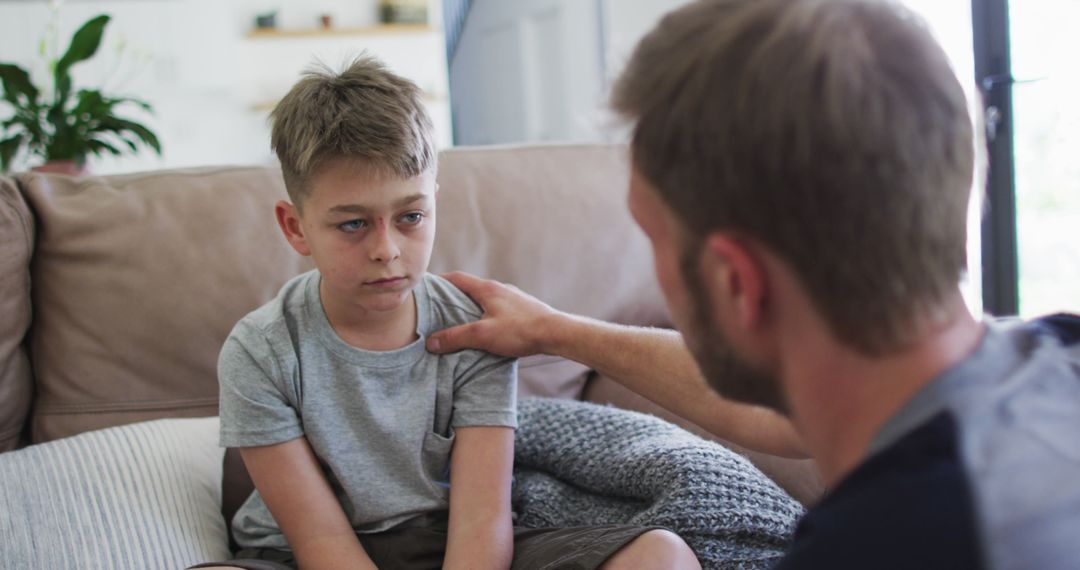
[(380, 423)]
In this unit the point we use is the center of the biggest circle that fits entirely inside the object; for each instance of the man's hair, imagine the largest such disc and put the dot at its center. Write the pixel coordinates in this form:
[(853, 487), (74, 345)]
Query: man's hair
[(365, 114), (834, 132)]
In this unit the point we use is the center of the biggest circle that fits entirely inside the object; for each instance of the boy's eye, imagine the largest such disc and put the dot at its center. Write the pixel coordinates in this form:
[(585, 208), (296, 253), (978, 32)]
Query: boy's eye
[(412, 218), (352, 226)]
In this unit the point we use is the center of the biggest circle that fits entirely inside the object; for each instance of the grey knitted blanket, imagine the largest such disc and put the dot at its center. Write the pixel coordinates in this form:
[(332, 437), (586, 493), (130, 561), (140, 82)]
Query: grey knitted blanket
[(580, 464)]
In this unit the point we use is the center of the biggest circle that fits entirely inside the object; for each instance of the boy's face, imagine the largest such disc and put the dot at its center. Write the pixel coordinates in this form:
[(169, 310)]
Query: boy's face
[(370, 236)]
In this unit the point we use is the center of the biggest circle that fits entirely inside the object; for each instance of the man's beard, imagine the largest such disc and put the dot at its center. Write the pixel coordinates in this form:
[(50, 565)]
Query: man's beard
[(724, 371)]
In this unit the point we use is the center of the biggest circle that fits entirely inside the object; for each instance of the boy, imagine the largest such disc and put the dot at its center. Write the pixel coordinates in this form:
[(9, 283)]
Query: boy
[(349, 427)]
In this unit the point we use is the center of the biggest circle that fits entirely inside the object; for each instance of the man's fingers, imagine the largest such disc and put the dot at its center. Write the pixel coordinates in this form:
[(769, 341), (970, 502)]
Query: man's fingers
[(472, 286), (454, 339)]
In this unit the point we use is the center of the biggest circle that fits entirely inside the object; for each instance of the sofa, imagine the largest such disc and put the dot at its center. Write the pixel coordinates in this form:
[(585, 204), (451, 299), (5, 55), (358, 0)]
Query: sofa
[(116, 293)]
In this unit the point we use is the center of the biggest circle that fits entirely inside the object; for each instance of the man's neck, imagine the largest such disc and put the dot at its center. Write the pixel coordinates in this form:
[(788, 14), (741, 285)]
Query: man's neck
[(841, 399)]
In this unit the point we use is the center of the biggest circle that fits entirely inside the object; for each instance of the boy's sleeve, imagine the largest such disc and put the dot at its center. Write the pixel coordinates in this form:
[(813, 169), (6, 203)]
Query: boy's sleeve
[(485, 392), (253, 408)]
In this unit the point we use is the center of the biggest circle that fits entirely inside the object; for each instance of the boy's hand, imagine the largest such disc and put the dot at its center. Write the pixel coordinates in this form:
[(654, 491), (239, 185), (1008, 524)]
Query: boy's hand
[(515, 323)]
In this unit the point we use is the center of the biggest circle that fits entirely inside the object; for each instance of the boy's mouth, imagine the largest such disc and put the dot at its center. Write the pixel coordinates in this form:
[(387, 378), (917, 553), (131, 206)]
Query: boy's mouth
[(387, 282)]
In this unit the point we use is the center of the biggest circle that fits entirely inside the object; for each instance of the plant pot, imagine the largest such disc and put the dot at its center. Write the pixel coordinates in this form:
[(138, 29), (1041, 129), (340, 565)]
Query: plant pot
[(68, 167)]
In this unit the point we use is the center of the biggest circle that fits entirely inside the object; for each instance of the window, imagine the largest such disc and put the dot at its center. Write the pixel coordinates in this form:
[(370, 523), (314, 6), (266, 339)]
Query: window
[(1046, 130)]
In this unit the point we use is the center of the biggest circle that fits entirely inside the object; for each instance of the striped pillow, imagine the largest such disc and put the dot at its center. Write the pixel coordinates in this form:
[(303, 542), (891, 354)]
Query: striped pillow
[(146, 495)]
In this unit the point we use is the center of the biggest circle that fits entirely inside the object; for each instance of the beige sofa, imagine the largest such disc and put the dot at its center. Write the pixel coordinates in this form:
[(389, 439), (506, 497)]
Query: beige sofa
[(116, 292)]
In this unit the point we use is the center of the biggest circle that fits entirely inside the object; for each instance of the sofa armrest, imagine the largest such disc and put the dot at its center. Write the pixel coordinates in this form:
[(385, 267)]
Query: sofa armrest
[(16, 248)]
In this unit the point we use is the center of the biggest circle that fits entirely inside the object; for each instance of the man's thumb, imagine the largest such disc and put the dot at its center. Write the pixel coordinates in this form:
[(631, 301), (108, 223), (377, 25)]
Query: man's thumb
[(451, 340)]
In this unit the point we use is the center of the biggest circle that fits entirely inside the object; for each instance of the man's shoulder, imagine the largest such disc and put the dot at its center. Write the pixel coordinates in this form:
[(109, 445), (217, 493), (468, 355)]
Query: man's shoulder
[(909, 506), (450, 305), (1065, 327), (1020, 447)]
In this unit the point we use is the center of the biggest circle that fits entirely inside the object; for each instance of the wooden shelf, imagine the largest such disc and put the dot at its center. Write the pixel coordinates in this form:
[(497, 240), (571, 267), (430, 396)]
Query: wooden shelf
[(380, 30)]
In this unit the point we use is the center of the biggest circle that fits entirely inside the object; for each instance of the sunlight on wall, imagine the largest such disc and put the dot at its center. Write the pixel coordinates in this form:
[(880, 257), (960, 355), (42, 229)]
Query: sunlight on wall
[(950, 21)]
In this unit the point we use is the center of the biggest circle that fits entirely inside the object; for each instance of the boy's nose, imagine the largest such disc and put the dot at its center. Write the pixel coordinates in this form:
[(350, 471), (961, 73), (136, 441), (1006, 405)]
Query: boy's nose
[(384, 248)]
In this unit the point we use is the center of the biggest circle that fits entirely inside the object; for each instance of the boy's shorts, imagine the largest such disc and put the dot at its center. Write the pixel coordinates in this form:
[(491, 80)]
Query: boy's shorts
[(581, 548)]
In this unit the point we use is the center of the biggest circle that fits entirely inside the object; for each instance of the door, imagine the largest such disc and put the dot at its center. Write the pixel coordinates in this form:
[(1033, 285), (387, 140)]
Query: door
[(528, 70)]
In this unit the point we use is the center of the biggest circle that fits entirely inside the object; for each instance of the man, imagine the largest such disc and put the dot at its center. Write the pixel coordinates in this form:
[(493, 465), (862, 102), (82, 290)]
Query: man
[(802, 169)]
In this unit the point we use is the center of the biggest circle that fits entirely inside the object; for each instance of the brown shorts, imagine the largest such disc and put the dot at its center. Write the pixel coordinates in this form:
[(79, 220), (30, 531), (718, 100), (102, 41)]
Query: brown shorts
[(581, 548)]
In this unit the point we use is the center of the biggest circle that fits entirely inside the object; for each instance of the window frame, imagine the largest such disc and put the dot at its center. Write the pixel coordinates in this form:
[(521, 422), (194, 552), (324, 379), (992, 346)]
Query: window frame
[(993, 76)]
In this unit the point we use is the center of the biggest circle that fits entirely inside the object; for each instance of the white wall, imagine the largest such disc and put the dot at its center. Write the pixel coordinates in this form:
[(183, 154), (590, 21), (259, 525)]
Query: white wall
[(208, 82), (625, 23)]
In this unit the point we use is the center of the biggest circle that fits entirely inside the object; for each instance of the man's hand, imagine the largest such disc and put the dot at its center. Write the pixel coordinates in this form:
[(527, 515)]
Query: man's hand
[(652, 362), (515, 323)]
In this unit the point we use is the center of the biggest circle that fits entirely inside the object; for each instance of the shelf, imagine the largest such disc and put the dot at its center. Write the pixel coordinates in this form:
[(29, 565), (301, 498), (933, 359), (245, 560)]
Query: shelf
[(380, 30)]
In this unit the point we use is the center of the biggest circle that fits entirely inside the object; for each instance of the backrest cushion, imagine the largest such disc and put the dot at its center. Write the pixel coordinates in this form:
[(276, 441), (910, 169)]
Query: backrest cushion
[(137, 280), (16, 246), (553, 220)]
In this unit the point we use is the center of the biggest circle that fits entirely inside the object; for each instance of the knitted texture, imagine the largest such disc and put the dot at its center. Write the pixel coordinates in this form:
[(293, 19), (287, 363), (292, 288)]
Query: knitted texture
[(580, 464)]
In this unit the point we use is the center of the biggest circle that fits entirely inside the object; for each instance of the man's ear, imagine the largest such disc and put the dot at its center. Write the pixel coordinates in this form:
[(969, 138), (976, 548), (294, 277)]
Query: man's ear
[(733, 273), (288, 219)]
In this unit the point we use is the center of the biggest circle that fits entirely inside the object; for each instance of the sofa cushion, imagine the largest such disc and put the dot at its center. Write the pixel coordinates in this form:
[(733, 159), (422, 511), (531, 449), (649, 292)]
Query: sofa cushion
[(551, 377), (553, 220), (16, 244), (138, 496), (137, 280)]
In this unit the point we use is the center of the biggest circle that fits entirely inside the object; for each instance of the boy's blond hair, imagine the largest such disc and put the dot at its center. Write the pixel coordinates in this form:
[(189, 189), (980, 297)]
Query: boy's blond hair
[(833, 131), (365, 114)]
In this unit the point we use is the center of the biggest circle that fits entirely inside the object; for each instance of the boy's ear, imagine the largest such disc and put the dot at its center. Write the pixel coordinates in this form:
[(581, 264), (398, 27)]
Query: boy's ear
[(288, 219)]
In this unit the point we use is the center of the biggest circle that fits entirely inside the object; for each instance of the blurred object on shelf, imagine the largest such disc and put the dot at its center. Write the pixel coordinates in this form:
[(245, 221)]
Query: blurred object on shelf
[(403, 11), (266, 20)]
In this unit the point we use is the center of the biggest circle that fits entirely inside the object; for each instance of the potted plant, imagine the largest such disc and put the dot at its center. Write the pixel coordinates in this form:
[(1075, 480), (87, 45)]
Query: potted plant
[(65, 129)]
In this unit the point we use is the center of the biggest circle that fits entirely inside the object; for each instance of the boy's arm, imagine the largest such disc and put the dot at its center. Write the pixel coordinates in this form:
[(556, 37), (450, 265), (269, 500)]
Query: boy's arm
[(292, 485), (481, 535)]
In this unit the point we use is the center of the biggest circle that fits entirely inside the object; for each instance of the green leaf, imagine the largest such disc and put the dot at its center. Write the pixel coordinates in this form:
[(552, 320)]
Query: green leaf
[(139, 102), (131, 144), (84, 44), (99, 146), (8, 148), (27, 119), (92, 104), (16, 81), (117, 125)]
